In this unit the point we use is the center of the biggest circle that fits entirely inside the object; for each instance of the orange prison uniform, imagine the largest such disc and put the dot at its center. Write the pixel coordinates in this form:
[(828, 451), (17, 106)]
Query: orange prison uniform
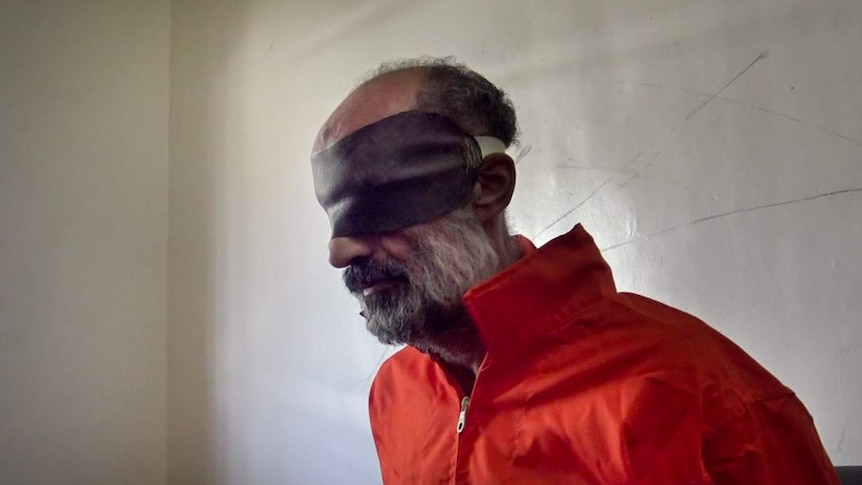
[(584, 385)]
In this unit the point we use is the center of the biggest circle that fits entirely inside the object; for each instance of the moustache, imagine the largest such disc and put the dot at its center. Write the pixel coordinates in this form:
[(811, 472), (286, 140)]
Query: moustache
[(365, 272)]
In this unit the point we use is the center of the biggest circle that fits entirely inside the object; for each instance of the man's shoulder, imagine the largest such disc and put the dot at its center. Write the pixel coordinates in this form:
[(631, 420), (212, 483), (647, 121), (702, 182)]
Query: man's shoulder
[(681, 342), (665, 329), (404, 366), (406, 383), (404, 360)]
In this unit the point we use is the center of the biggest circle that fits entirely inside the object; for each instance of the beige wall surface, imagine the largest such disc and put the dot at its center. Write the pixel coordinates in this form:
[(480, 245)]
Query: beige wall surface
[(712, 148), (83, 241)]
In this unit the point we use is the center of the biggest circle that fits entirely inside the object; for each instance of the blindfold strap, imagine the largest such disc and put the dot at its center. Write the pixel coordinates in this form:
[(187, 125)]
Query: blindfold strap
[(489, 145)]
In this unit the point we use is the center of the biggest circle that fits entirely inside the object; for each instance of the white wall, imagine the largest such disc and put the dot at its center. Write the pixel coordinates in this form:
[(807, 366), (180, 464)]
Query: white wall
[(83, 241), (712, 147)]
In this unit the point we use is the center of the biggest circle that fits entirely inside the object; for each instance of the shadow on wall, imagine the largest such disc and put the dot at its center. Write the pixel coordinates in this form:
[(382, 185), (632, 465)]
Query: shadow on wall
[(205, 240), (707, 28)]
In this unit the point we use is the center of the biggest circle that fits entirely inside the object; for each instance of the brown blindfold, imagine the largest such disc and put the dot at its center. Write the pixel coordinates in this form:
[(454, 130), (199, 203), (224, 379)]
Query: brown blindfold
[(403, 170)]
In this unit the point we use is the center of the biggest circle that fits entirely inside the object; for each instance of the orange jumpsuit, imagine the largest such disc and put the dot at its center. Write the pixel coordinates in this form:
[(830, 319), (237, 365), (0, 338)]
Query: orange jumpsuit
[(585, 385)]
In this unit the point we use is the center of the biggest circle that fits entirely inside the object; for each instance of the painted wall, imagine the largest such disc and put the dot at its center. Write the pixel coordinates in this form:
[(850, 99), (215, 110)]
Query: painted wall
[(83, 241), (712, 148)]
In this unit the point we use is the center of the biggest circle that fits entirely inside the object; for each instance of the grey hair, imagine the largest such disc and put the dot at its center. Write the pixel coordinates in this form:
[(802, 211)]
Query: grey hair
[(453, 90)]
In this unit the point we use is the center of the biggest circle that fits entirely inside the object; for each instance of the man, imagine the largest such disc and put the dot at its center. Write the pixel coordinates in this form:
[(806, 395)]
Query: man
[(523, 365)]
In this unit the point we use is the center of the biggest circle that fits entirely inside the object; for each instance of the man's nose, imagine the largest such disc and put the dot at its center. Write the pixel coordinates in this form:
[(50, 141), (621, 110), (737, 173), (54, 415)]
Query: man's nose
[(343, 250)]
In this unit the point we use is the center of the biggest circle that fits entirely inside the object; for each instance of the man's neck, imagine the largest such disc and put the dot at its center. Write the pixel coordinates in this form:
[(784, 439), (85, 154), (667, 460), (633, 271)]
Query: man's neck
[(460, 352), (461, 349)]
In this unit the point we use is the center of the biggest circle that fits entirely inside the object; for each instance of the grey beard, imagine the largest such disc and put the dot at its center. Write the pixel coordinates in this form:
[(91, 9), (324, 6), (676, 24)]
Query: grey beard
[(426, 308)]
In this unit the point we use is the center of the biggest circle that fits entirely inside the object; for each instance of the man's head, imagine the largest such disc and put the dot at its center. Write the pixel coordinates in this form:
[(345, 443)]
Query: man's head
[(433, 85), (417, 212)]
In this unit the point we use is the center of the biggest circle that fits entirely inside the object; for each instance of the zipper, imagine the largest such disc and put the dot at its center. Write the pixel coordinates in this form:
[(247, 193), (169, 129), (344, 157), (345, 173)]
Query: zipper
[(462, 416), (461, 451)]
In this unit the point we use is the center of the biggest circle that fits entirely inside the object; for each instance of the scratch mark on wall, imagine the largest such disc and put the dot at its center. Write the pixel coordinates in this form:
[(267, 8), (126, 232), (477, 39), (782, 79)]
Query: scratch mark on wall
[(634, 174), (588, 168), (672, 88), (839, 135), (792, 118), (755, 208), (763, 55), (573, 209), (523, 153), (625, 182), (758, 108), (633, 160), (731, 213), (637, 173)]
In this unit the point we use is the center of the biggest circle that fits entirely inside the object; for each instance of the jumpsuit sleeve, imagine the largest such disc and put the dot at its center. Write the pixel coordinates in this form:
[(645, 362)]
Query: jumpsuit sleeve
[(677, 430), (769, 442)]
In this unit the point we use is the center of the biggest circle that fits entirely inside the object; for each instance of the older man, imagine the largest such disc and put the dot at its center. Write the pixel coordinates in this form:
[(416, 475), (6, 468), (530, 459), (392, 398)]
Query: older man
[(523, 365)]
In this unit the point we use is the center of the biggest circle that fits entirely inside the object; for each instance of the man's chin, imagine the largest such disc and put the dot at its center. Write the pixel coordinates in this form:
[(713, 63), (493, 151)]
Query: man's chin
[(387, 332), (430, 325)]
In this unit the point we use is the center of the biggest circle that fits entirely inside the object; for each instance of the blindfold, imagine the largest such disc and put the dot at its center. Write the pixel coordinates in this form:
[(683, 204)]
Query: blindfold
[(403, 170)]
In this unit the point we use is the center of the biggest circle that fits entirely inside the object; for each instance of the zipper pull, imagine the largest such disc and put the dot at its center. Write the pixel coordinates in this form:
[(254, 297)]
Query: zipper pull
[(462, 416)]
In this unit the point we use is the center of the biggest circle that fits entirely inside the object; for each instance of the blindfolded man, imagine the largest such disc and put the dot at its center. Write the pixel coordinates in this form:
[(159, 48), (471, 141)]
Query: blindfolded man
[(523, 365)]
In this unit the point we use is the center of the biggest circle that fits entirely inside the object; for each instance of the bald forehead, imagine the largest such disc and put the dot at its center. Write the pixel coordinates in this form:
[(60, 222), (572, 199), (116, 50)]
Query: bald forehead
[(379, 98)]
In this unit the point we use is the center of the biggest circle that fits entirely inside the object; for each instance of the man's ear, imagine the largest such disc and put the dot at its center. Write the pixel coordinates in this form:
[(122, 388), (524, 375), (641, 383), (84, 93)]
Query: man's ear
[(494, 186)]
